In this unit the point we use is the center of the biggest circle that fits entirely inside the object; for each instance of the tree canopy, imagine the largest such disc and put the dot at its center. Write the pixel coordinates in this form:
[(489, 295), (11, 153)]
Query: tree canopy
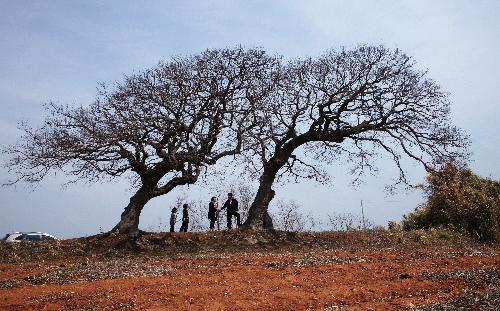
[(163, 125), (160, 126), (351, 105)]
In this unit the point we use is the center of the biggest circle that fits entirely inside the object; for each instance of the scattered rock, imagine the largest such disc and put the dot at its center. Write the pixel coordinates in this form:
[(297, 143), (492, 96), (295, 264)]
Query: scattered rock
[(316, 260), (92, 271)]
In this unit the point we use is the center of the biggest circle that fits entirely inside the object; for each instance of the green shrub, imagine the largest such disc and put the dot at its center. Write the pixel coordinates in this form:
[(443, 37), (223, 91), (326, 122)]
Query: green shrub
[(460, 200)]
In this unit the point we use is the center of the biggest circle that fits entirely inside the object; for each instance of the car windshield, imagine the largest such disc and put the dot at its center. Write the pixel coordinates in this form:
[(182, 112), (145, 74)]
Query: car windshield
[(33, 237), (47, 238)]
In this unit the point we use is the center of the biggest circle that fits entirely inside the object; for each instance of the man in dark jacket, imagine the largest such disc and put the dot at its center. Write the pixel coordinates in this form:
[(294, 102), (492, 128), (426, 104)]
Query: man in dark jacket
[(185, 218), (232, 210)]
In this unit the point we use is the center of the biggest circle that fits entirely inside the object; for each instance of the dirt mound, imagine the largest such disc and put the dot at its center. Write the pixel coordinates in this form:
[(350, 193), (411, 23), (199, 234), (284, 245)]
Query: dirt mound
[(110, 245)]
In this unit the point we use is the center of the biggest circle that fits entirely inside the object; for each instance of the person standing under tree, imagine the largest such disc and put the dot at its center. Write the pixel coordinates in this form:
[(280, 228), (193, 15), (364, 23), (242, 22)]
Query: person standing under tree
[(185, 218), (173, 219), (212, 212), (232, 210)]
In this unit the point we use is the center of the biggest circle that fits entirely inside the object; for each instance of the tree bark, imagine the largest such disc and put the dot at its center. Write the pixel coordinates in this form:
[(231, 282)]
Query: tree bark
[(258, 216), (129, 222)]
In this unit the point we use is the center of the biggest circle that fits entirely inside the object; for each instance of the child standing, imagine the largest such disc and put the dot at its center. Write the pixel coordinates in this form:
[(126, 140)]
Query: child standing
[(173, 219)]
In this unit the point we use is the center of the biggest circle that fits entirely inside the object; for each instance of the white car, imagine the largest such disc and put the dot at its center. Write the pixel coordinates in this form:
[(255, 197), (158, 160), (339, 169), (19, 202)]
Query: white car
[(28, 236)]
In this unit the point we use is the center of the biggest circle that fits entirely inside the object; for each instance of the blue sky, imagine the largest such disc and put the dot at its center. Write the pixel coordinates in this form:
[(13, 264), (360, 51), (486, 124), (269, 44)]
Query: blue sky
[(59, 51)]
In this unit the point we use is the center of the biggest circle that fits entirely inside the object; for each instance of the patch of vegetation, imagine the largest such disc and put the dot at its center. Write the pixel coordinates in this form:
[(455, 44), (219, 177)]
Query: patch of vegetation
[(459, 200), (469, 300), (485, 280), (216, 242)]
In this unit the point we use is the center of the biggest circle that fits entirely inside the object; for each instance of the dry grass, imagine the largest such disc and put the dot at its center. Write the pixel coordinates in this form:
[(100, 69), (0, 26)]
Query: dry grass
[(192, 243)]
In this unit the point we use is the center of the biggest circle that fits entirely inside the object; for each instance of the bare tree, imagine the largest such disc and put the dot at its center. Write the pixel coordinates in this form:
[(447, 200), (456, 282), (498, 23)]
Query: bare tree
[(160, 127), (348, 221), (288, 217), (354, 106)]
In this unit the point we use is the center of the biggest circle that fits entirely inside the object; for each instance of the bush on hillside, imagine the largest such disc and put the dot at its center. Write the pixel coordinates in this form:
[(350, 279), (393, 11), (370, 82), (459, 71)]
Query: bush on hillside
[(460, 200)]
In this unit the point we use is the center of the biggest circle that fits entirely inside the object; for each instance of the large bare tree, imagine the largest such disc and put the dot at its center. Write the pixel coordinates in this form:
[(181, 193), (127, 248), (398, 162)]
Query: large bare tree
[(350, 105), (160, 127)]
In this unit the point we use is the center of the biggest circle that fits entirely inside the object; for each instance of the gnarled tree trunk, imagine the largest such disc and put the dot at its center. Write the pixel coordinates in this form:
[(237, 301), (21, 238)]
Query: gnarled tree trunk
[(258, 216), (129, 222)]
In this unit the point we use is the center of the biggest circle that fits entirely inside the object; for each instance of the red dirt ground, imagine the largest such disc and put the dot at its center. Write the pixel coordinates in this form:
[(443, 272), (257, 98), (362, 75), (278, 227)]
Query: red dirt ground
[(389, 278)]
